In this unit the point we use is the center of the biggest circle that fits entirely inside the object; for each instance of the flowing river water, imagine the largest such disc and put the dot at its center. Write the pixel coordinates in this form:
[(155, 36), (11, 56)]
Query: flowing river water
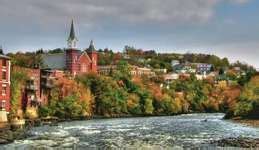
[(173, 132)]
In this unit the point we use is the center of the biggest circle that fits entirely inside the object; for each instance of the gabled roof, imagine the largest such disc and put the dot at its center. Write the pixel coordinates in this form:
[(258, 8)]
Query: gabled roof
[(4, 56), (54, 61), (85, 53)]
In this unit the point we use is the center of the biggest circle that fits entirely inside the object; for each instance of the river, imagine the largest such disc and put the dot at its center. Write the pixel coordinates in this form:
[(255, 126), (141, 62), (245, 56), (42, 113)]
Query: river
[(173, 132)]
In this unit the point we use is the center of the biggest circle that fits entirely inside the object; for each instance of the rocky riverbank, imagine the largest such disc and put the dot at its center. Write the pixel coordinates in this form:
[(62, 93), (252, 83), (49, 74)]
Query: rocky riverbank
[(249, 122), (8, 135), (237, 142)]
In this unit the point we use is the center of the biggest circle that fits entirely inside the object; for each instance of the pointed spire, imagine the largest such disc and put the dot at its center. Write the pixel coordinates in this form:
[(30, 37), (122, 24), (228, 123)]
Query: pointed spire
[(72, 31), (91, 47), (1, 50), (92, 42), (72, 37)]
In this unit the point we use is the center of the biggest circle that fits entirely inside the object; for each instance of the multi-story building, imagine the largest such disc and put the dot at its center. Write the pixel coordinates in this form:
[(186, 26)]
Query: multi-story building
[(48, 77), (184, 68), (203, 68), (72, 59), (134, 70), (5, 64), (138, 71), (106, 70), (31, 89)]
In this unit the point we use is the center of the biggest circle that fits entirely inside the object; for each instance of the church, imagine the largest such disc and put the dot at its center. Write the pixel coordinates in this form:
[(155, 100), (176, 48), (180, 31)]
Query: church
[(73, 60)]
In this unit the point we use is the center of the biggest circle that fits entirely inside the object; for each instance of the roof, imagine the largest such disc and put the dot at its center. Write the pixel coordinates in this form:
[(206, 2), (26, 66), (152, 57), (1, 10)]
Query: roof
[(4, 56), (84, 53), (54, 61), (72, 35), (91, 46)]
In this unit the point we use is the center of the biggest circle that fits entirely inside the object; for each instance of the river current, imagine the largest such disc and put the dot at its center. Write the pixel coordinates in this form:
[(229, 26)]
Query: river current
[(173, 132)]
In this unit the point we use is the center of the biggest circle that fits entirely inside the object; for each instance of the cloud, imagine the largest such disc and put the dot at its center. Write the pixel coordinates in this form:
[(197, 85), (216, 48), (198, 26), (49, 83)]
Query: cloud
[(240, 1), (93, 12), (42, 23)]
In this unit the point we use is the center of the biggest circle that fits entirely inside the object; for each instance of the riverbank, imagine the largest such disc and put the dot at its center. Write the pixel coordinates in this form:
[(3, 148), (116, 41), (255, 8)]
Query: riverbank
[(239, 142), (248, 122), (8, 136)]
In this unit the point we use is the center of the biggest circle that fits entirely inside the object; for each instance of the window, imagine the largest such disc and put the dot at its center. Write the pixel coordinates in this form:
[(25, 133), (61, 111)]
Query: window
[(2, 105), (83, 68), (4, 90), (4, 62), (4, 75)]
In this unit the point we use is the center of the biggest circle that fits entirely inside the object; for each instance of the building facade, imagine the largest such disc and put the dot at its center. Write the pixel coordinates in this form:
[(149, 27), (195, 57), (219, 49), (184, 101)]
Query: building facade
[(134, 70), (138, 71), (5, 65), (73, 60), (31, 90), (204, 68), (47, 78)]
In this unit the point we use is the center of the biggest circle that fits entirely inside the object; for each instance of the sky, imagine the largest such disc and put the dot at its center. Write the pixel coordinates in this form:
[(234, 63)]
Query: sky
[(227, 28)]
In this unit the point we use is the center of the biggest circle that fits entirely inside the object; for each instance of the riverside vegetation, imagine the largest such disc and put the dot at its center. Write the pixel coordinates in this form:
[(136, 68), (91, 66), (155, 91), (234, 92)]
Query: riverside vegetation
[(120, 94)]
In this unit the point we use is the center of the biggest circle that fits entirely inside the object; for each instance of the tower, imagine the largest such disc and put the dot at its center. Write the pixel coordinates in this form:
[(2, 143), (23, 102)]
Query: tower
[(71, 41), (72, 53), (93, 56), (1, 50)]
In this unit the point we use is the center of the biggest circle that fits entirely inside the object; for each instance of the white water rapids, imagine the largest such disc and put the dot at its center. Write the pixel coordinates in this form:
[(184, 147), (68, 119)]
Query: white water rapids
[(173, 132)]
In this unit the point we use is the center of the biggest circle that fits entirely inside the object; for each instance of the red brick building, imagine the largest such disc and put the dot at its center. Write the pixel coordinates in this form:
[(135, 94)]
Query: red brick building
[(31, 90), (72, 59), (48, 78), (5, 64), (79, 62)]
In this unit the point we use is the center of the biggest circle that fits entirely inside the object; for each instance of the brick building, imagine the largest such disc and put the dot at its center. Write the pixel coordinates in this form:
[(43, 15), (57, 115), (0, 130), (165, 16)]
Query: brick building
[(72, 59), (48, 77), (31, 90), (5, 64)]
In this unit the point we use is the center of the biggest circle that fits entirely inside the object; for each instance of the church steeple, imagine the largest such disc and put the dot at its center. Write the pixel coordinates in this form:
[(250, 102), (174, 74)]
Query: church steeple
[(91, 46), (1, 50), (92, 53), (71, 41)]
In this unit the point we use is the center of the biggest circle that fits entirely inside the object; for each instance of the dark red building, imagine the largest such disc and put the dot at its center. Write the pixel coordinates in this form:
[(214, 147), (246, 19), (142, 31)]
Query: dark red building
[(5, 64), (79, 62), (72, 59), (31, 90)]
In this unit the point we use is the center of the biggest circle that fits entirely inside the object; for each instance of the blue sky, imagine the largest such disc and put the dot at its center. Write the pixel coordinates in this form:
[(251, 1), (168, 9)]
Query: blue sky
[(228, 28)]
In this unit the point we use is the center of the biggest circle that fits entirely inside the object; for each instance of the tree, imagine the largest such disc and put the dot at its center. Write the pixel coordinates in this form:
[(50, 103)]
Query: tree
[(18, 79), (148, 107), (248, 105), (110, 98), (133, 105), (122, 72)]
